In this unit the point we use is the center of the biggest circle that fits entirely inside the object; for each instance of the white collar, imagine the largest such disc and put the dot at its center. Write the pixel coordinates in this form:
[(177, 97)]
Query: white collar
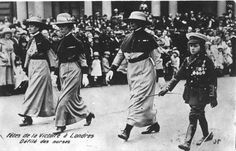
[(35, 34), (68, 33), (138, 29)]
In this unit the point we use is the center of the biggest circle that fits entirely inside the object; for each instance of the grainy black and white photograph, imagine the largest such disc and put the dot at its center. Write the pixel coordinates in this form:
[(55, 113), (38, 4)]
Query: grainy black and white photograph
[(118, 75)]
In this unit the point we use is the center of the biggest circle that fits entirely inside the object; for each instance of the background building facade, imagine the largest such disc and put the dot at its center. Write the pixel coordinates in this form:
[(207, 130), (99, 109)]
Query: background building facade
[(47, 9)]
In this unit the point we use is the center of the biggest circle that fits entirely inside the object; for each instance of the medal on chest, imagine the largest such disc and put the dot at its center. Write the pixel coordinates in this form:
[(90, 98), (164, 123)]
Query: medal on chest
[(198, 71)]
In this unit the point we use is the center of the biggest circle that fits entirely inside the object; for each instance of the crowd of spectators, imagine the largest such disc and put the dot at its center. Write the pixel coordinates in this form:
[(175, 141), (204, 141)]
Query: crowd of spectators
[(102, 37)]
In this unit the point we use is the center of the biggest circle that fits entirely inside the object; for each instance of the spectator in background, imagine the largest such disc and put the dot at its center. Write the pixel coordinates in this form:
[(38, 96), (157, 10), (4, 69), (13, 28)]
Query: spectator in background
[(45, 33), (174, 62), (96, 70), (105, 66), (167, 40), (7, 65), (219, 61), (22, 49), (158, 62)]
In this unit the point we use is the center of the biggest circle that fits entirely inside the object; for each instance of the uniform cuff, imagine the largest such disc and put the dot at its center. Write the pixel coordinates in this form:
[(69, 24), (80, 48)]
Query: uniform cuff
[(84, 70), (113, 67)]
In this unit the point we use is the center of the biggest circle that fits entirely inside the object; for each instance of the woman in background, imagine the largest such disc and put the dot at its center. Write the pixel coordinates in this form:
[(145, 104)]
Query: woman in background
[(7, 66)]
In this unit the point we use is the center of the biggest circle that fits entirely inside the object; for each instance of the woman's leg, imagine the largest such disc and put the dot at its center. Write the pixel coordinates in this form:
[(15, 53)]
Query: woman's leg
[(126, 132)]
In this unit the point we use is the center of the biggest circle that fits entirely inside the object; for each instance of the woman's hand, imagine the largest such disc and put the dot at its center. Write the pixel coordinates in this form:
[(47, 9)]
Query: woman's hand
[(109, 75), (85, 80)]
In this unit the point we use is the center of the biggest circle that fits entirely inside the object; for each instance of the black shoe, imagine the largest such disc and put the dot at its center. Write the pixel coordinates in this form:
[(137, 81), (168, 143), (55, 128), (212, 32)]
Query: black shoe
[(207, 138), (59, 130), (185, 146), (124, 135), (89, 119), (153, 128), (26, 122)]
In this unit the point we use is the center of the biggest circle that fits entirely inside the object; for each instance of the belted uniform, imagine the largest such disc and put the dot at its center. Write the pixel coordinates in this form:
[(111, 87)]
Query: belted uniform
[(141, 75), (39, 95), (200, 89), (201, 80), (72, 64)]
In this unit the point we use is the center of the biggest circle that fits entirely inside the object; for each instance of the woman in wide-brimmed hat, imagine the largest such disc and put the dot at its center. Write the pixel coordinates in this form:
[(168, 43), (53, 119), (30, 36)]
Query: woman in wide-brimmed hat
[(72, 69), (7, 57), (200, 88), (137, 48), (38, 100)]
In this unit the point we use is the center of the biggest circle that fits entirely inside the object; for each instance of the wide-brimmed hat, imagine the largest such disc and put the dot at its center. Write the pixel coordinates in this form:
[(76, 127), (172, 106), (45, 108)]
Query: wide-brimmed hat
[(6, 30), (196, 38), (64, 19), (138, 16), (35, 20)]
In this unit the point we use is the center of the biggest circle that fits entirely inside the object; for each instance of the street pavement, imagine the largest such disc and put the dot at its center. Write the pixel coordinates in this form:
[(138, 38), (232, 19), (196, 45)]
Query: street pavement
[(110, 104)]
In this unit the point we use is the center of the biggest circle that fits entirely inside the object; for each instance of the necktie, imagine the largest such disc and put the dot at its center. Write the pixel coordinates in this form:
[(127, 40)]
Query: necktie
[(29, 43)]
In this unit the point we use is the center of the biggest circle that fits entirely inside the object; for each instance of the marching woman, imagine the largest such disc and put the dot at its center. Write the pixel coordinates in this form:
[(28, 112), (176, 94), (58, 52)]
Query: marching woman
[(137, 48), (38, 101), (200, 87), (72, 69)]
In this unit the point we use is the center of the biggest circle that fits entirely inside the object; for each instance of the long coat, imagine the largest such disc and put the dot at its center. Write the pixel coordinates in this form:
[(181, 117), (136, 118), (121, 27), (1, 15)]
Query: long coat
[(141, 76), (201, 80)]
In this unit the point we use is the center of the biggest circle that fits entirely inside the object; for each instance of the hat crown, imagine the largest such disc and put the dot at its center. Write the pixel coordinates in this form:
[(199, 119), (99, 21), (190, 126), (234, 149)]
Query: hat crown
[(6, 30), (196, 36), (35, 19), (64, 18), (96, 53), (137, 15), (107, 53)]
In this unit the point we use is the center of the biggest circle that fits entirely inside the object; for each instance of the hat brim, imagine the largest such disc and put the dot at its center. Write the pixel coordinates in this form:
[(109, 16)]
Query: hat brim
[(203, 37), (64, 23), (193, 41), (7, 32), (39, 24), (128, 20)]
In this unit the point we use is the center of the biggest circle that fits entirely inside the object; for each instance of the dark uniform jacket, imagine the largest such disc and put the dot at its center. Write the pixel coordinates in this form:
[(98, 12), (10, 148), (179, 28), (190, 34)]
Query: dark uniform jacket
[(139, 41), (70, 49), (43, 45), (201, 80)]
